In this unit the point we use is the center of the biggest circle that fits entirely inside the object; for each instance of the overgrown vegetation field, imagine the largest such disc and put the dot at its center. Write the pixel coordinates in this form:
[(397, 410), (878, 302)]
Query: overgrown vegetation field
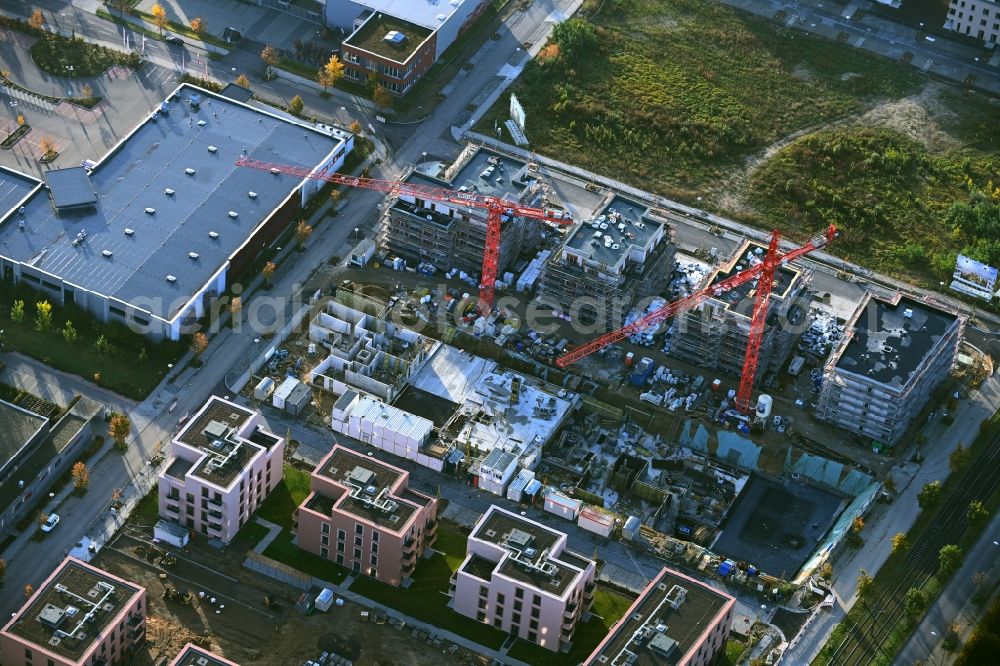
[(689, 98)]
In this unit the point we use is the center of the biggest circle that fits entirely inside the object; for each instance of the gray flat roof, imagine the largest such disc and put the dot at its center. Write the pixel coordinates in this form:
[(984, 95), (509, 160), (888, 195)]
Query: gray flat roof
[(17, 425), (470, 177), (637, 232), (134, 177), (739, 299), (14, 186), (887, 345), (71, 188), (684, 625)]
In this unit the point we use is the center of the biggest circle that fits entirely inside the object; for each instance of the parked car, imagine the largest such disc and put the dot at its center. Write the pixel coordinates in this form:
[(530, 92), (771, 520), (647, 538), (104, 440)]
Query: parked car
[(173, 39), (50, 522)]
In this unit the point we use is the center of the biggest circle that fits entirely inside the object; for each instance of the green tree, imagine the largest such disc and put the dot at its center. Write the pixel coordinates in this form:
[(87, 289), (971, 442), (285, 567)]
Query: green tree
[(102, 345), (69, 333), (382, 97), (119, 428), (17, 311), (949, 559), (43, 318), (296, 105), (198, 25), (977, 514), (199, 343), (959, 458), (270, 56), (864, 583), (576, 39), (268, 272), (81, 477), (914, 602), (242, 80), (929, 495), (331, 72), (900, 543), (121, 6), (302, 233)]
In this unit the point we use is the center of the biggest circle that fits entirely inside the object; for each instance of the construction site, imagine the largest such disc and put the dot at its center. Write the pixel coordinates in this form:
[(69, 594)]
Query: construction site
[(205, 596)]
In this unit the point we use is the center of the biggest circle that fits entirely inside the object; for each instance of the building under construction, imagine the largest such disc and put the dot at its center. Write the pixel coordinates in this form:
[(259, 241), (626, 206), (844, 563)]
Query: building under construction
[(453, 237), (895, 354), (623, 254), (713, 335)]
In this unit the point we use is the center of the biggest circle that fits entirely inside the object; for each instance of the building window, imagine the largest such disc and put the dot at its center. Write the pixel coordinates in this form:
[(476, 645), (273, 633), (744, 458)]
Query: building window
[(359, 528), (340, 559), (374, 549), (341, 535), (358, 541), (325, 540), (374, 560), (481, 616), (519, 593), (518, 605), (533, 624), (357, 553), (515, 618), (374, 536), (532, 636), (325, 528), (340, 546), (500, 598), (324, 552), (534, 612), (482, 603), (497, 621)]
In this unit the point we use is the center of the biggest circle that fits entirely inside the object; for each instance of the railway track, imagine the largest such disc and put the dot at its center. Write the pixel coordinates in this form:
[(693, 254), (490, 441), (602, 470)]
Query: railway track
[(864, 640)]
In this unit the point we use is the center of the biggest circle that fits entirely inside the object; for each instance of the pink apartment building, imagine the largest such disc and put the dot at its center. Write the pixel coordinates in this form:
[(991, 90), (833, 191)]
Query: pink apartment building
[(519, 577), (224, 465), (677, 620), (192, 655), (361, 515), (80, 616)]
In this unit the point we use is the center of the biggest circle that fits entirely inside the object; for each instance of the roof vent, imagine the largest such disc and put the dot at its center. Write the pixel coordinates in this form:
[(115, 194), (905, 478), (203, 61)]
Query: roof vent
[(106, 253), (213, 234), (193, 255), (189, 171), (171, 278), (201, 123), (252, 194), (150, 211), (129, 232), (169, 192), (394, 37), (908, 313), (212, 149), (233, 213)]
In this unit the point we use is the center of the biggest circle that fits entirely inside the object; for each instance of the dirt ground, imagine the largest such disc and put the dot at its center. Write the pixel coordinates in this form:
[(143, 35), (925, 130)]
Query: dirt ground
[(239, 627)]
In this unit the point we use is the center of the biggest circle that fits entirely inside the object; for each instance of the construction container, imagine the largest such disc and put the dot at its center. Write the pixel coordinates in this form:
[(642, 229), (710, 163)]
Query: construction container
[(629, 358), (643, 371), (263, 389), (596, 521), (795, 366), (716, 384), (283, 392), (515, 492), (172, 533), (561, 505), (630, 530), (324, 600)]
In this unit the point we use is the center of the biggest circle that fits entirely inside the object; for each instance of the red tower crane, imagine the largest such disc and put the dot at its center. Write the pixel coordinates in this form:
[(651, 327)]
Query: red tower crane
[(764, 271), (496, 208)]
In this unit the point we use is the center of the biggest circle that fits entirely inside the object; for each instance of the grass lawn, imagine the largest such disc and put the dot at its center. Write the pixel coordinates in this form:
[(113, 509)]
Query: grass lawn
[(130, 364), (734, 649), (286, 497), (283, 550), (665, 95), (147, 511), (249, 536), (609, 606), (53, 54)]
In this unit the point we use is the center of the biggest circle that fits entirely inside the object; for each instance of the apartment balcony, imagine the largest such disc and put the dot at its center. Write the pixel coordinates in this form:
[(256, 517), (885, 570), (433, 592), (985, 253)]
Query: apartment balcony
[(137, 635), (570, 611), (172, 508)]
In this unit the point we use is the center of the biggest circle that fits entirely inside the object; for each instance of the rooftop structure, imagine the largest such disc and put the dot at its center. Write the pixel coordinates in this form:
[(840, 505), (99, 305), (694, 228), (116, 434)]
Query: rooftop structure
[(397, 42), (516, 563), (389, 37), (18, 428), (389, 524), (71, 616), (623, 253), (71, 189), (894, 355), (174, 218), (676, 620), (192, 655), (451, 237), (714, 334), (224, 464)]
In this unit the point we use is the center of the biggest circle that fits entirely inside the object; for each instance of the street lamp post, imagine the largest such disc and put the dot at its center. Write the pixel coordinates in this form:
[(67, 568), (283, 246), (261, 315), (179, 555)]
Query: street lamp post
[(69, 70)]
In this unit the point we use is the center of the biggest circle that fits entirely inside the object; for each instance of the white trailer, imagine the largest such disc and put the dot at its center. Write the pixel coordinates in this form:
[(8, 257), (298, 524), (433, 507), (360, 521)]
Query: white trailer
[(596, 521), (561, 505)]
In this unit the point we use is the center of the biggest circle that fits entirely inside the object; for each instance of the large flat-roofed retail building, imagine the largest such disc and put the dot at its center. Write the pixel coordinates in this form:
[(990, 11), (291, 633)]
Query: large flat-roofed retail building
[(166, 219)]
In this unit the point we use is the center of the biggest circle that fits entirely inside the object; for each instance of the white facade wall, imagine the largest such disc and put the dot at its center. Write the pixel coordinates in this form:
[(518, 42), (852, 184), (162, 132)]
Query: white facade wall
[(597, 522), (561, 505)]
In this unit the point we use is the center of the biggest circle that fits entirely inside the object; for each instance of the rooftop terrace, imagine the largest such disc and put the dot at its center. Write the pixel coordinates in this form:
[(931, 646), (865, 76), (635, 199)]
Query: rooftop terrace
[(192, 655), (215, 432), (48, 620), (372, 37), (121, 249), (684, 608), (888, 342)]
